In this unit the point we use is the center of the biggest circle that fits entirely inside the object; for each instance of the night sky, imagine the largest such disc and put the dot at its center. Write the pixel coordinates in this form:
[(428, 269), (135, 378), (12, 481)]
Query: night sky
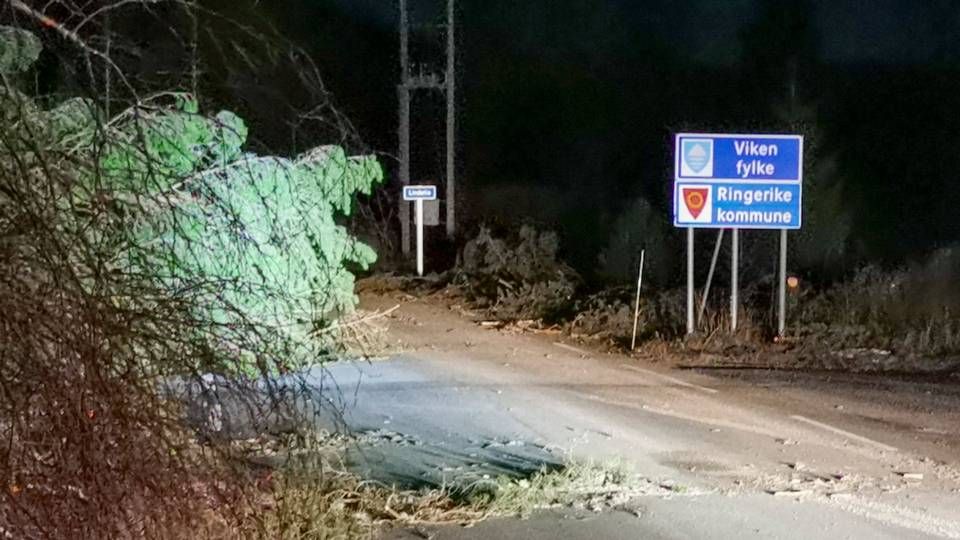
[(567, 106)]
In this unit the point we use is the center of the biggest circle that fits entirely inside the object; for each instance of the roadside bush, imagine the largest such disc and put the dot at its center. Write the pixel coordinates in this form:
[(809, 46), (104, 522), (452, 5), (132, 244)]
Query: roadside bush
[(910, 311), (607, 314), (518, 277), (662, 316)]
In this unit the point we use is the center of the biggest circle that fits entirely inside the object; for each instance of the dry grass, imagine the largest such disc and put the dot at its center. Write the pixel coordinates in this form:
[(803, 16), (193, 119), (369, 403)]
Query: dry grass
[(593, 485), (313, 497), (363, 334), (332, 504)]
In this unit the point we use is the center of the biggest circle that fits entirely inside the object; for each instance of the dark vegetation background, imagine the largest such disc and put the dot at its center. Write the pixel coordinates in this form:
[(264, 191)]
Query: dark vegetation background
[(567, 106), (567, 109)]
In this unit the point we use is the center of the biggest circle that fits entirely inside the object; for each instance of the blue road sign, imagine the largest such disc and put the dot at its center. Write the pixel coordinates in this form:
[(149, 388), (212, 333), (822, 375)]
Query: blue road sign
[(761, 158), (419, 193), (742, 205), (738, 181)]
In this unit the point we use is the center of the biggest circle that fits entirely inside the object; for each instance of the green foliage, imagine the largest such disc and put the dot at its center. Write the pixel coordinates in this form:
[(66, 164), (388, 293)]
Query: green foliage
[(159, 151), (19, 49), (73, 120), (171, 204), (254, 236)]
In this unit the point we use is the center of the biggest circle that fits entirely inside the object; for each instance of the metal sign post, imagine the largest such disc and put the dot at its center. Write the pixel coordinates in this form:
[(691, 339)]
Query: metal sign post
[(734, 278), (690, 322), (418, 194), (738, 182), (419, 205), (782, 312)]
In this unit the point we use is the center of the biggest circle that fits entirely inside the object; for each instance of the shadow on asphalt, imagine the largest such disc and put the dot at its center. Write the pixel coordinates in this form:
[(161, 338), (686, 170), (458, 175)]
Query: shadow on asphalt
[(442, 448), (409, 463)]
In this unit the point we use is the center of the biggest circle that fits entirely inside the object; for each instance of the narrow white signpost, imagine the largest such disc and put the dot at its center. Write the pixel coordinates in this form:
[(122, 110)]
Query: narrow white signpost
[(636, 310), (732, 181), (419, 194)]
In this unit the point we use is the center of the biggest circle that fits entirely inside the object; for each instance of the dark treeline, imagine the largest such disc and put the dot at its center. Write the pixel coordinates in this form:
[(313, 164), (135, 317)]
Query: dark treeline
[(567, 107)]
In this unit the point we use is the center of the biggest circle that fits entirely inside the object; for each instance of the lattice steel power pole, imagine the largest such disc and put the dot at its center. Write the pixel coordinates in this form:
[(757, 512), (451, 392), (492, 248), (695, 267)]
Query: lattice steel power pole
[(410, 82)]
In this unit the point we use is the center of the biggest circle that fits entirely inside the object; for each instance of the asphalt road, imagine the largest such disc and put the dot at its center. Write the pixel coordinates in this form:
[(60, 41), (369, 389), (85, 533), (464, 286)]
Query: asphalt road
[(757, 455)]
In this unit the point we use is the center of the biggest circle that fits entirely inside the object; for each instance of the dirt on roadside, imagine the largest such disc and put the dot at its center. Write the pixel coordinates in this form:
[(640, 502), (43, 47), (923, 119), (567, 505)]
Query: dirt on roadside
[(604, 322)]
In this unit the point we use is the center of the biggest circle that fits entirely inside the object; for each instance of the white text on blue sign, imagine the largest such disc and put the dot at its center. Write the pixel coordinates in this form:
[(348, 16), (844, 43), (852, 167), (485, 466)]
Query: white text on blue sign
[(739, 157), (740, 205), (419, 193)]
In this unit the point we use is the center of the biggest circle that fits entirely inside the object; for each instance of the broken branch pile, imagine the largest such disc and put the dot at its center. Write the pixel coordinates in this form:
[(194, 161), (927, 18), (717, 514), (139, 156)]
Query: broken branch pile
[(518, 277)]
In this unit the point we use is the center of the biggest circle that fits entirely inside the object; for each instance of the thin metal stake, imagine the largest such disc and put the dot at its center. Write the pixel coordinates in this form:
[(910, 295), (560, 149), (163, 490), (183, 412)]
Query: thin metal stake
[(636, 310), (713, 267)]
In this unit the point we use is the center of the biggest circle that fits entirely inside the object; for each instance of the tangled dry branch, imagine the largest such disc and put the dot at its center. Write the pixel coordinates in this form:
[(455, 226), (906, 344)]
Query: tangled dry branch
[(140, 253)]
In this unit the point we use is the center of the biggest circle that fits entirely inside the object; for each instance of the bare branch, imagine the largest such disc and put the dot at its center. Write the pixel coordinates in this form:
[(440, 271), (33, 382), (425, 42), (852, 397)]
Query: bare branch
[(71, 36)]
